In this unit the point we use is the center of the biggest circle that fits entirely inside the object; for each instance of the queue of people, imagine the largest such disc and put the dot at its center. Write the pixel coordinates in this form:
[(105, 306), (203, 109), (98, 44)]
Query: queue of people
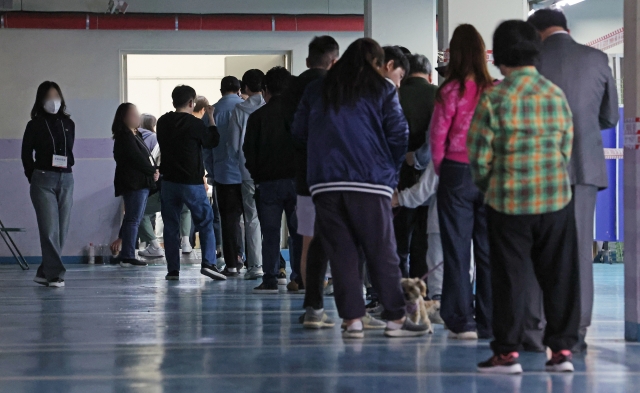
[(382, 176)]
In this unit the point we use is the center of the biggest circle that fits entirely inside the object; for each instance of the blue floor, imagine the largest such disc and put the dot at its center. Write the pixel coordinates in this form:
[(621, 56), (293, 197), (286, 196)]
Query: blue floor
[(128, 330)]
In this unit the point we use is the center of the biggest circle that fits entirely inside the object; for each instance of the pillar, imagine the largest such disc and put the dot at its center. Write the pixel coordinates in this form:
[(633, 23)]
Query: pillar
[(631, 171), (408, 23), (485, 15)]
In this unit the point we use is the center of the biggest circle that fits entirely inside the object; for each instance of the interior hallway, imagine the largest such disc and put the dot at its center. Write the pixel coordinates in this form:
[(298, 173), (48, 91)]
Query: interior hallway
[(116, 329)]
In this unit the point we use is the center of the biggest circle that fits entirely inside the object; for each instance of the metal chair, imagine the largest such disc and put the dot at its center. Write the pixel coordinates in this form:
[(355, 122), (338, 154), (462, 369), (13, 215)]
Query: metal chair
[(4, 233)]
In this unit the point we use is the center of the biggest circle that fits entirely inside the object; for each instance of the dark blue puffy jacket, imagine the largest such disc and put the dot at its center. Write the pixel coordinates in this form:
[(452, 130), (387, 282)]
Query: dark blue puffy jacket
[(360, 148)]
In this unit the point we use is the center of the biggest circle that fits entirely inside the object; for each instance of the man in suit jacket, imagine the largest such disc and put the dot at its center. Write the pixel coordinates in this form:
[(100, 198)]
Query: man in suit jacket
[(583, 73)]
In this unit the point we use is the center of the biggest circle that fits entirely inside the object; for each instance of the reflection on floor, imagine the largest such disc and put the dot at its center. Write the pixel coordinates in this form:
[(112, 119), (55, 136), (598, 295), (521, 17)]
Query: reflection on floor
[(115, 329)]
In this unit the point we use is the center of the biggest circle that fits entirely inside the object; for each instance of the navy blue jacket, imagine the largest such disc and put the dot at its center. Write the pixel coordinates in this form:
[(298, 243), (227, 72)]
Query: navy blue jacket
[(360, 148)]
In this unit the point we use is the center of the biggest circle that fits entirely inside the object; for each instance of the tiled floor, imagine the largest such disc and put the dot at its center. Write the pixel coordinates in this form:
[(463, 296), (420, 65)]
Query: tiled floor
[(128, 330)]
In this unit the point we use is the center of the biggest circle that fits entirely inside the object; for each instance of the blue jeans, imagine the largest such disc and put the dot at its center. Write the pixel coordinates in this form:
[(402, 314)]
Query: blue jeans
[(52, 197), (134, 204), (173, 196), (272, 199)]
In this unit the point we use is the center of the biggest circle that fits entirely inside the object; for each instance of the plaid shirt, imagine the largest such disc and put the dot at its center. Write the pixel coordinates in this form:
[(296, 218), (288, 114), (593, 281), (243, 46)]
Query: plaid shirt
[(520, 144)]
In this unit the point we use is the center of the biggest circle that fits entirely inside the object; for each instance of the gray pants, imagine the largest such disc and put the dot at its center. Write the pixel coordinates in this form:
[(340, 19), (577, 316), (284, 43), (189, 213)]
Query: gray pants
[(585, 205), (145, 231), (52, 198), (253, 233)]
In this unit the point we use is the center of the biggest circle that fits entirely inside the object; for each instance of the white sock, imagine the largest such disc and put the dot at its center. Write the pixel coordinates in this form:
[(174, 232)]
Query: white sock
[(231, 269), (155, 243), (393, 325), (185, 239), (355, 326)]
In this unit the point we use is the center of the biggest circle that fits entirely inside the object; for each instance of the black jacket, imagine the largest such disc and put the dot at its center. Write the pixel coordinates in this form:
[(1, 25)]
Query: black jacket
[(181, 137), (268, 144), (134, 165), (37, 138), (292, 100)]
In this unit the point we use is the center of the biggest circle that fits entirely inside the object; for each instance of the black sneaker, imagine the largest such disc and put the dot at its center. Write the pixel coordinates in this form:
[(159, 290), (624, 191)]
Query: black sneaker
[(56, 283), (212, 272), (282, 277), (560, 362), (172, 275), (266, 289), (228, 273), (132, 262), (501, 364)]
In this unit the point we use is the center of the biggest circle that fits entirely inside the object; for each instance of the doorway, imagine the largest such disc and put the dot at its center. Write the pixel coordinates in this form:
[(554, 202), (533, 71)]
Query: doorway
[(150, 78)]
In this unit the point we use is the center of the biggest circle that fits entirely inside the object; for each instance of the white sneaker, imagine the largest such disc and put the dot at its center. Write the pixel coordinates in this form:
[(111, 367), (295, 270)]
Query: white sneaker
[(186, 248), (463, 336), (151, 252), (253, 273)]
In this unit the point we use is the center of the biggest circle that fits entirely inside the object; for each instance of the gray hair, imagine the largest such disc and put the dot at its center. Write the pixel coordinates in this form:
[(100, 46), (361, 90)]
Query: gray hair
[(148, 122), (420, 64)]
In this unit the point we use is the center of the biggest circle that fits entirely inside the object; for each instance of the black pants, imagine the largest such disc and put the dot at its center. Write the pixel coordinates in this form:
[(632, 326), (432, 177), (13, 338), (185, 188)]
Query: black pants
[(546, 244), (346, 221), (316, 271), (230, 205), (462, 217), (410, 226)]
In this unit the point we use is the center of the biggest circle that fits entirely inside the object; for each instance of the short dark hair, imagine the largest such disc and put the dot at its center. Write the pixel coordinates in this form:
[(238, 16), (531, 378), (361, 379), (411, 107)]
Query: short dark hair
[(253, 80), (420, 64), (399, 59), (277, 80), (516, 44), (322, 51), (182, 94), (38, 107), (201, 103), (545, 18), (229, 84), (404, 50)]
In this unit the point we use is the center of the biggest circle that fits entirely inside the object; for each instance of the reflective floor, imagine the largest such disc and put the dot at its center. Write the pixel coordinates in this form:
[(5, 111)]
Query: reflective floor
[(114, 329)]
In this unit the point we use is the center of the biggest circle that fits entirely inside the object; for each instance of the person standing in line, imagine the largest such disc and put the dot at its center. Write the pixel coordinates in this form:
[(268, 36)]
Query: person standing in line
[(461, 209), (51, 135), (584, 75), (136, 174), (269, 153), (226, 176), (182, 137), (417, 98), (253, 80), (520, 145), (323, 54), (357, 136), (199, 111), (396, 65)]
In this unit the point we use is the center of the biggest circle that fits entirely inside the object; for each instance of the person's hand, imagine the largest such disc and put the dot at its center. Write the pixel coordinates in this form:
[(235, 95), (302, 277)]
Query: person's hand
[(115, 246), (156, 175), (395, 200), (411, 158), (210, 110), (206, 186)]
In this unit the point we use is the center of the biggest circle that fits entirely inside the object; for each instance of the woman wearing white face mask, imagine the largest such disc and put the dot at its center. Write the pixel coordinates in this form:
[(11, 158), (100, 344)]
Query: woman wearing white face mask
[(50, 134)]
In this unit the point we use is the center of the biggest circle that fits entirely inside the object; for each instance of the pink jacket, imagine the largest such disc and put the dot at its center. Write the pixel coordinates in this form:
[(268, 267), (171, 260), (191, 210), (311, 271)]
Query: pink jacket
[(450, 123)]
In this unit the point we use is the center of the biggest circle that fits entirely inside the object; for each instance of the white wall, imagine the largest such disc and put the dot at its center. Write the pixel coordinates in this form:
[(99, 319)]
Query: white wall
[(593, 19), (202, 6), (87, 66)]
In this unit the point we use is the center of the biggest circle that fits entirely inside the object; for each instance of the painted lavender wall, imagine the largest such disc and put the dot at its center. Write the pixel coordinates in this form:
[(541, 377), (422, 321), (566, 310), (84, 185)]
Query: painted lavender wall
[(87, 65)]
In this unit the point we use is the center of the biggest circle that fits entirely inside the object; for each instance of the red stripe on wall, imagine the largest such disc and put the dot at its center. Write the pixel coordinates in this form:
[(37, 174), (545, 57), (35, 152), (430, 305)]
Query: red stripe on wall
[(35, 20)]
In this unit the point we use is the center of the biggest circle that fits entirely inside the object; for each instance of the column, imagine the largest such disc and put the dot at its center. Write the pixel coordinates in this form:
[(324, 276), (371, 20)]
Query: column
[(631, 171), (408, 23), (485, 15)]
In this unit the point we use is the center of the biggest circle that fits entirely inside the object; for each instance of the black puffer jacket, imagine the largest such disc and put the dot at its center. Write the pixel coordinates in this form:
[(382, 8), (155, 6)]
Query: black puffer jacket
[(134, 166)]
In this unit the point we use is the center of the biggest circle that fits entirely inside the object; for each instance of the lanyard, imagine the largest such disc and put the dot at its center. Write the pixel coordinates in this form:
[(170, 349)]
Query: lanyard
[(54, 142)]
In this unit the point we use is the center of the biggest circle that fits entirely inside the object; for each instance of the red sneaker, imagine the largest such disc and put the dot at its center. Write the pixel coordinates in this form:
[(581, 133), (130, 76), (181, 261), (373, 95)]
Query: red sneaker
[(501, 364), (560, 362)]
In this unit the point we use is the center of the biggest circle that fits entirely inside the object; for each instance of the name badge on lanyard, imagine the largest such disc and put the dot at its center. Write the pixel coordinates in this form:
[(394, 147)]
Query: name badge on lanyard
[(59, 161)]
